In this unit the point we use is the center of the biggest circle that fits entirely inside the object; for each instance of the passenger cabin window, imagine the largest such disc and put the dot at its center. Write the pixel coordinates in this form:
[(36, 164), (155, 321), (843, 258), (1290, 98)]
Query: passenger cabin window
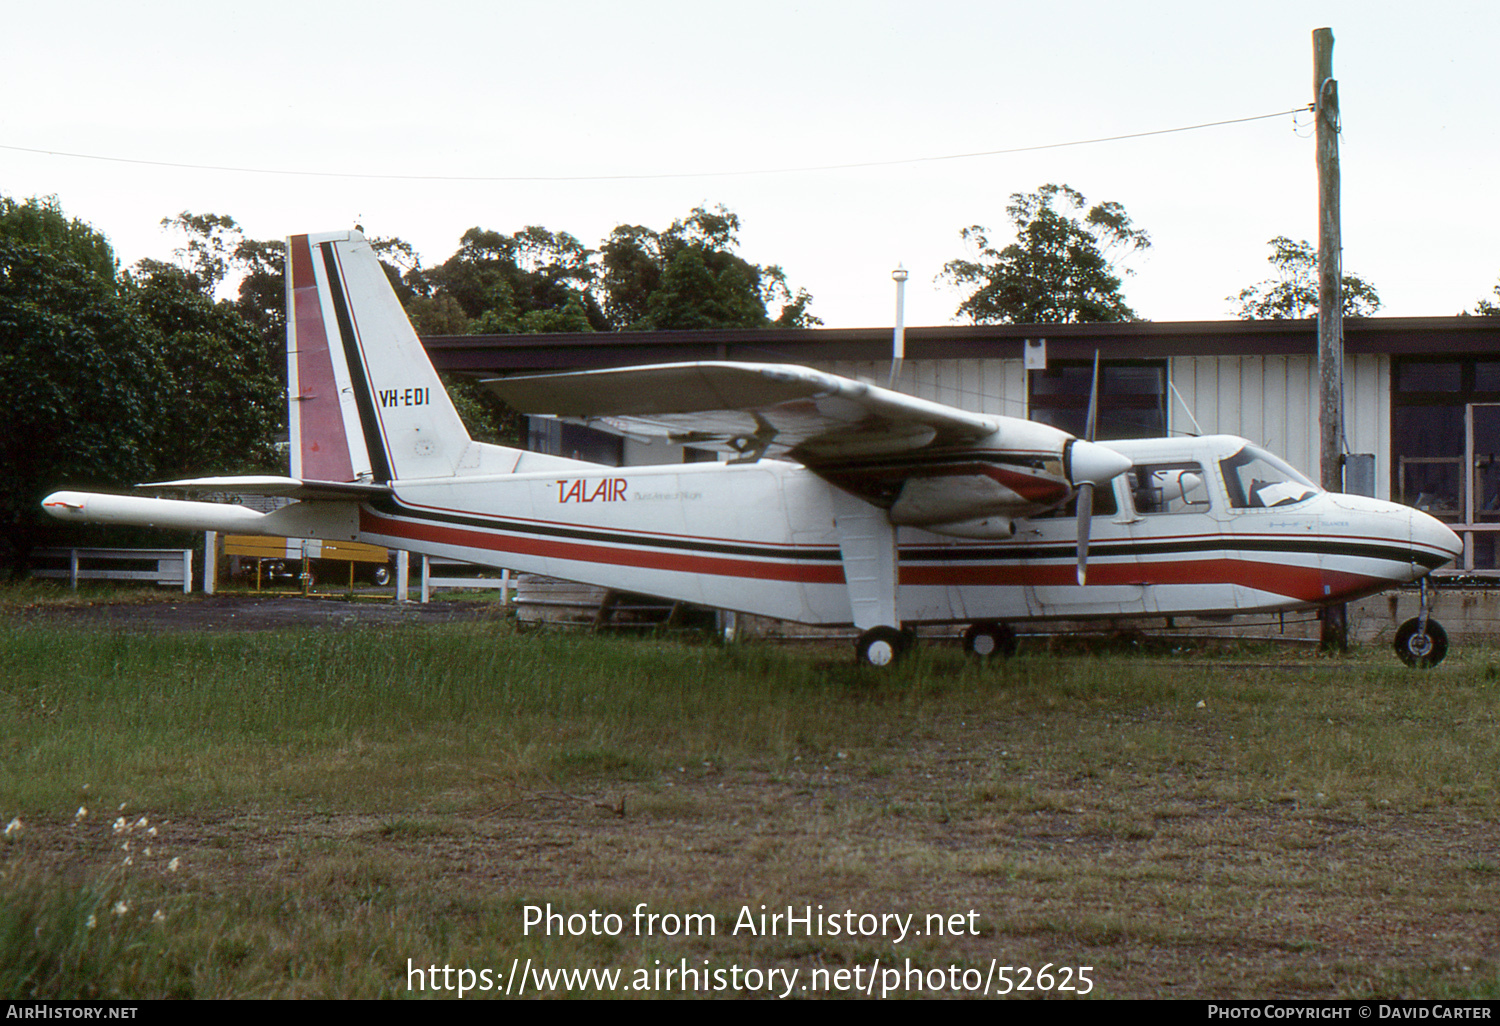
[(1168, 488), (1255, 479)]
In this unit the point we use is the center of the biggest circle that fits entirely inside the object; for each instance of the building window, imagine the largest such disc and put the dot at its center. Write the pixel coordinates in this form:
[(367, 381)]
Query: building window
[(1132, 397), (560, 438), (1445, 447)]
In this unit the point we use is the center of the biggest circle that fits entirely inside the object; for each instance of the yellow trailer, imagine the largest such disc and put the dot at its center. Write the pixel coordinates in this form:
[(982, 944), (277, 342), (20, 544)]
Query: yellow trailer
[(288, 558)]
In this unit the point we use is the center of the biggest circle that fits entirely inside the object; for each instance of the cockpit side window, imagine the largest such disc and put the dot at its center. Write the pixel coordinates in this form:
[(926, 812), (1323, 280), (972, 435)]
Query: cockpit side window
[(1254, 479), (1168, 488)]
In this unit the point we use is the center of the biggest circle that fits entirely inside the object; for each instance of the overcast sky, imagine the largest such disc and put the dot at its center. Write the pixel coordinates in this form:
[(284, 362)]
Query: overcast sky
[(549, 96)]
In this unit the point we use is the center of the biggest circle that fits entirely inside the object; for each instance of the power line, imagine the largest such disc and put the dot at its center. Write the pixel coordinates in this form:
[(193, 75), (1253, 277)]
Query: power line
[(649, 177)]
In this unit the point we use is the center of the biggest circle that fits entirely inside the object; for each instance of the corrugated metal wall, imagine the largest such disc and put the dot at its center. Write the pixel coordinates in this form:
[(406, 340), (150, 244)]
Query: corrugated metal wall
[(1272, 400)]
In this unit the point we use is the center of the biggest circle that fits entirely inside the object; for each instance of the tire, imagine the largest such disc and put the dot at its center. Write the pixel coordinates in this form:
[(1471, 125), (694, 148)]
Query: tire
[(987, 640), (381, 576), (1420, 650), (881, 647)]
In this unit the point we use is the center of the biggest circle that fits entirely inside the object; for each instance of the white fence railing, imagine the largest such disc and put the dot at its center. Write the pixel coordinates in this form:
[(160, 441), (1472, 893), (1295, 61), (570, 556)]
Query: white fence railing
[(161, 566), (175, 566), (433, 567)]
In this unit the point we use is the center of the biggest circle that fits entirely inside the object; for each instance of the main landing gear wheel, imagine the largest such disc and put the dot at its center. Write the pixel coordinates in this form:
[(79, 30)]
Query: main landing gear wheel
[(983, 640), (1419, 648), (882, 646)]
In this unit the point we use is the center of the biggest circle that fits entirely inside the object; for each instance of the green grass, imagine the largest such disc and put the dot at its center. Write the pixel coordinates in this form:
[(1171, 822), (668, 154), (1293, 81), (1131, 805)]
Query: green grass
[(341, 801)]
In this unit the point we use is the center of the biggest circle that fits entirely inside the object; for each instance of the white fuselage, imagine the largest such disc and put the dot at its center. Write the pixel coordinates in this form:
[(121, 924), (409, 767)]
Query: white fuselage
[(761, 538)]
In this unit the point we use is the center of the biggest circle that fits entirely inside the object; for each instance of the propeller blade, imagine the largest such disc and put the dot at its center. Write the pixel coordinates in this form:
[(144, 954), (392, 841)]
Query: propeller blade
[(1090, 429), (1085, 518)]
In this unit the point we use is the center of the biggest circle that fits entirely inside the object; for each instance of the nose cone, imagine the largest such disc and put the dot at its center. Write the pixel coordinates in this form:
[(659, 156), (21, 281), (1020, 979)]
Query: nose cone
[(1433, 544), (1092, 463)]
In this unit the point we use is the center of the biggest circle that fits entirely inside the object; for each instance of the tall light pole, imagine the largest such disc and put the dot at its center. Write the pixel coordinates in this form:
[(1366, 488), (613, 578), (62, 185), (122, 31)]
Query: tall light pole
[(898, 341)]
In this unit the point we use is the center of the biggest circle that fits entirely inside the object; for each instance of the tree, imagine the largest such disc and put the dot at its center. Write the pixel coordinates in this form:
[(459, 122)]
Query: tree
[(227, 400), (209, 250), (511, 276), (108, 379), (690, 276), (697, 291), (41, 224), (632, 270), (1294, 291), (82, 384), (1062, 268), (262, 293), (1489, 307)]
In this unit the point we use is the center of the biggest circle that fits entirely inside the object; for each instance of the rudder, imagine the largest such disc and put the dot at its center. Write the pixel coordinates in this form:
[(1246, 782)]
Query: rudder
[(365, 403)]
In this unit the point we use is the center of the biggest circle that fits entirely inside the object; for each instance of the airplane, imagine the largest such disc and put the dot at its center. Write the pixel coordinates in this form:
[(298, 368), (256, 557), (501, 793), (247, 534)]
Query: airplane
[(842, 503)]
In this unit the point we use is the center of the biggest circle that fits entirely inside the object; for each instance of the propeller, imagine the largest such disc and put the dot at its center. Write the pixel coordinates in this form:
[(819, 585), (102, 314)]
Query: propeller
[(1086, 487)]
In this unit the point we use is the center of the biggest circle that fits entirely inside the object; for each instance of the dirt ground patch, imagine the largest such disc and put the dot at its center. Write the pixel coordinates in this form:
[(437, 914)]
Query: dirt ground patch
[(252, 613), (1205, 901)]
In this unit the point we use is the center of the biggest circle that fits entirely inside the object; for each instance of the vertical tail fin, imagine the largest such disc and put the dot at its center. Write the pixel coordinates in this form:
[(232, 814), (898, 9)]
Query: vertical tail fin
[(365, 403)]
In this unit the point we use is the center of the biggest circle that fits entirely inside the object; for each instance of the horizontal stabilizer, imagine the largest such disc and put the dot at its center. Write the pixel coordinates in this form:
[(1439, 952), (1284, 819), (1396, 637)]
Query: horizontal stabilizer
[(270, 484)]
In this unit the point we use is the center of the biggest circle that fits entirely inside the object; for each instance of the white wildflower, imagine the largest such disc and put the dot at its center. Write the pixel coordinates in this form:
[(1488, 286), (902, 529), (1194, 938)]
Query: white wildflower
[(141, 824), (174, 865), (80, 815), (14, 828), (93, 921), (158, 916), (121, 908), (121, 826)]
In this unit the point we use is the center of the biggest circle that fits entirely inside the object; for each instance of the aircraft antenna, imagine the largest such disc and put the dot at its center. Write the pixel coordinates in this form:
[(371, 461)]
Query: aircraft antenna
[(1183, 403)]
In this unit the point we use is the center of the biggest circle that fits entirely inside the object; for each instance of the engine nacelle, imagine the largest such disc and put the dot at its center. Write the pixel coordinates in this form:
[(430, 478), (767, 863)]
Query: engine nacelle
[(931, 502), (983, 527)]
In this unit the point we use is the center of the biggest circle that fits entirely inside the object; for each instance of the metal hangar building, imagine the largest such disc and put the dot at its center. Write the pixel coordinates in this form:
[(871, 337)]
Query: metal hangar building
[(1421, 394)]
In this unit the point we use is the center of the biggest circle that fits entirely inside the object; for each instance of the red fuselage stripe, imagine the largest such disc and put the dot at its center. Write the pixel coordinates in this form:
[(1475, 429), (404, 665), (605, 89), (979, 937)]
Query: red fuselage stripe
[(827, 573), (1301, 583)]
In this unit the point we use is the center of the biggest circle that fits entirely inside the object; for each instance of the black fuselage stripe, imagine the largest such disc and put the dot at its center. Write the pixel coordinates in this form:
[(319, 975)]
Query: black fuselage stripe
[(1216, 546), (1224, 544), (393, 507)]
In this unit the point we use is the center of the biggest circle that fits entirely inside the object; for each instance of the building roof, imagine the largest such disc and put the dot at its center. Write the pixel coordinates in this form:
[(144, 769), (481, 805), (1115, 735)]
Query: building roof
[(503, 354)]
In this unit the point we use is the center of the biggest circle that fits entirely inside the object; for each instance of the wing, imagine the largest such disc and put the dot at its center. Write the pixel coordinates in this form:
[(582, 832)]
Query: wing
[(929, 465), (748, 408)]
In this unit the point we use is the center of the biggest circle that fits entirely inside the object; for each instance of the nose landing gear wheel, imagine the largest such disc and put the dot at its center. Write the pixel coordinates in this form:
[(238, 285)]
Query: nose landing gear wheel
[(1419, 648), (881, 646)]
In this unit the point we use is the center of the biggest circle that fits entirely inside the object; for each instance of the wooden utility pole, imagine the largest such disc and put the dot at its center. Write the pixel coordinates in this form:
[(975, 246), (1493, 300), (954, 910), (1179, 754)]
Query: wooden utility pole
[(1330, 301)]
